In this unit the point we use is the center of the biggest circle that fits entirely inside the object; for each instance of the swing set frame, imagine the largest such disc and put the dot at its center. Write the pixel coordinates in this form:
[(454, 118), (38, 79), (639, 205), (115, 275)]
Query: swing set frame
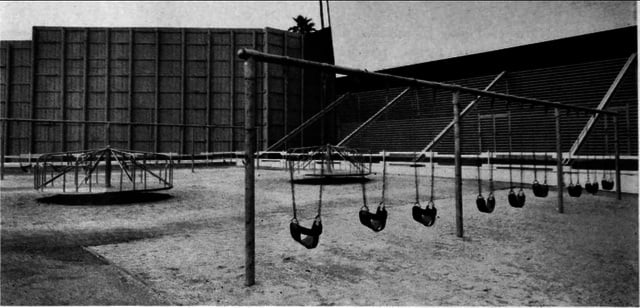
[(251, 56)]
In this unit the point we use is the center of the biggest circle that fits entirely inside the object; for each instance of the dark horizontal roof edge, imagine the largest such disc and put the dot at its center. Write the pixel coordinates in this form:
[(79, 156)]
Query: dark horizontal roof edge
[(156, 28), (514, 49), (26, 42)]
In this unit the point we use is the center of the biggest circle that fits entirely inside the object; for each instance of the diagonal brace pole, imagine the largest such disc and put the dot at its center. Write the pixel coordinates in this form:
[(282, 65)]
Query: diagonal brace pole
[(462, 114), (308, 122), (373, 117), (603, 104)]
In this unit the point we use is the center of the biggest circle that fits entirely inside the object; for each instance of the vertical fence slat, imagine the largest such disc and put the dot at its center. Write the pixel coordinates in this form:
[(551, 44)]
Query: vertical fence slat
[(232, 91), (266, 107), (63, 91), (107, 85), (85, 90), (183, 81), (32, 92), (7, 104), (209, 102), (156, 105), (302, 95), (285, 52), (130, 105)]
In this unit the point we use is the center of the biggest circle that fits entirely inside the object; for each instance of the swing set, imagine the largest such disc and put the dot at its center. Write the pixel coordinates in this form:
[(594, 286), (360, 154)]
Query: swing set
[(312, 234)]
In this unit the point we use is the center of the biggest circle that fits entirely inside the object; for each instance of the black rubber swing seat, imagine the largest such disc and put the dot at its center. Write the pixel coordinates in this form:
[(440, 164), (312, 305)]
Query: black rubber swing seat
[(312, 236), (540, 190), (607, 184), (374, 221), (426, 216), (574, 190), (592, 187), (486, 206), (516, 200)]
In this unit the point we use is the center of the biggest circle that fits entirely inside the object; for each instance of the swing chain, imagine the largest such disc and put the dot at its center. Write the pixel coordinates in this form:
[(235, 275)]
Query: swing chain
[(327, 158), (432, 177), (535, 168), (293, 192), (384, 177), (510, 149), (415, 176), (364, 194), (478, 161), (490, 163)]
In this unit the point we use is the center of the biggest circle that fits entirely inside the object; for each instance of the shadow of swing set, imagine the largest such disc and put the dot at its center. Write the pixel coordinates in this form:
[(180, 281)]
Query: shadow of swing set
[(376, 221)]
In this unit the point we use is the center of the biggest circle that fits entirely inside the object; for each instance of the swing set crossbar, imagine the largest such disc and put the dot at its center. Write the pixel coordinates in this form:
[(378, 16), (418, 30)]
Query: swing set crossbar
[(271, 58)]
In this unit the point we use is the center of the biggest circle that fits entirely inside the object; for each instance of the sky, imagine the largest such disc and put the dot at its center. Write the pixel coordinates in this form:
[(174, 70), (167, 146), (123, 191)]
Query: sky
[(366, 34)]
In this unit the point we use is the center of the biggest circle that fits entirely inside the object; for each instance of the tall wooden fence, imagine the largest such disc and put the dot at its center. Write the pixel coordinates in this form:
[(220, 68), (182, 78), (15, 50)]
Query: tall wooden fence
[(151, 89)]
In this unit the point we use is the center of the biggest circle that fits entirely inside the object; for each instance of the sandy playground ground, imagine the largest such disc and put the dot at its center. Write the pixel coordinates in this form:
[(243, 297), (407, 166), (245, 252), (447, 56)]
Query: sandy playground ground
[(189, 249)]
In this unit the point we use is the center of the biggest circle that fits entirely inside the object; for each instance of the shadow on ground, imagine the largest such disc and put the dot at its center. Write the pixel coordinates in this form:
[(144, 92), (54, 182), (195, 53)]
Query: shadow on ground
[(109, 198), (331, 180)]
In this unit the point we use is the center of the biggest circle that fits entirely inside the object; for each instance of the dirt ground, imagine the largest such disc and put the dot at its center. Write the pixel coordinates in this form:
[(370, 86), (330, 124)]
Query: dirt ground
[(189, 249)]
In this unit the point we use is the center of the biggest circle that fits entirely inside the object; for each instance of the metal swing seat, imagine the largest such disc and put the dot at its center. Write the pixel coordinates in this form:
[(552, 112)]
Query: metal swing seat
[(307, 237), (374, 221), (591, 187), (427, 215), (515, 200), (378, 220), (489, 204), (311, 235), (539, 190), (574, 190)]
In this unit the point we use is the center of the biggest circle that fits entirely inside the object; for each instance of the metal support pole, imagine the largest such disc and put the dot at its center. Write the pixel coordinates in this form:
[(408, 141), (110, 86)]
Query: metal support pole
[(458, 168), (249, 171), (616, 142), (559, 171)]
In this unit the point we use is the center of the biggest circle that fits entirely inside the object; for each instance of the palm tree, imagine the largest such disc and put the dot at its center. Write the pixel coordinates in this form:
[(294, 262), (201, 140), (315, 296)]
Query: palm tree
[(303, 25)]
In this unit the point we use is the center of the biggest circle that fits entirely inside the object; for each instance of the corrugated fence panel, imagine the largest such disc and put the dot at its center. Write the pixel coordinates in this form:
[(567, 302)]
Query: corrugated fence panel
[(143, 88), (283, 88), (49, 82), (407, 128), (118, 86), (96, 87), (222, 71), (15, 85), (169, 89), (145, 76)]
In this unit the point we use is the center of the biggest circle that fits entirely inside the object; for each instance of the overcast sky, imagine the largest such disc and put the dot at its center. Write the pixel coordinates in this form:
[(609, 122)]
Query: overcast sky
[(372, 35)]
